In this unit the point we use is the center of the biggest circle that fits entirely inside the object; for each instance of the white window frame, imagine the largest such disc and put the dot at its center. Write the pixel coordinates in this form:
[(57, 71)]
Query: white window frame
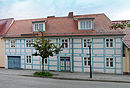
[(109, 62), (109, 42), (86, 42), (87, 61), (34, 24), (65, 42), (85, 26), (28, 57), (29, 45), (45, 60), (12, 44)]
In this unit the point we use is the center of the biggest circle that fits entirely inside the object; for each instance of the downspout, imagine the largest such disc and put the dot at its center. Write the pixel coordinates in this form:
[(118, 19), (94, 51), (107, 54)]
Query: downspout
[(72, 55)]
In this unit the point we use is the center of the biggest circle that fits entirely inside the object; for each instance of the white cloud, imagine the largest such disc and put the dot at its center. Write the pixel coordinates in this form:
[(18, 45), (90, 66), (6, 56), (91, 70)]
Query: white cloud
[(26, 9)]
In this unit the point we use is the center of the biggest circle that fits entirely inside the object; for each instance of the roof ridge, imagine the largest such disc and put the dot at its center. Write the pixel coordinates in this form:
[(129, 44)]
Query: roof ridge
[(119, 20), (58, 17), (90, 14)]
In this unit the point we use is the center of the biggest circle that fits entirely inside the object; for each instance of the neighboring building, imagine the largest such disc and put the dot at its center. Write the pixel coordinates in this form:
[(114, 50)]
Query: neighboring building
[(74, 32), (126, 47), (4, 25)]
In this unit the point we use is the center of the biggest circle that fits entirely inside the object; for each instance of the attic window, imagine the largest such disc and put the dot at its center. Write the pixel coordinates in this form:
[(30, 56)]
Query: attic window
[(38, 27), (85, 24)]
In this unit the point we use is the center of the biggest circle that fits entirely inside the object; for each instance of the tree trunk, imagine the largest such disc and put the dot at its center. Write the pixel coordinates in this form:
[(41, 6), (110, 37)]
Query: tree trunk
[(42, 64)]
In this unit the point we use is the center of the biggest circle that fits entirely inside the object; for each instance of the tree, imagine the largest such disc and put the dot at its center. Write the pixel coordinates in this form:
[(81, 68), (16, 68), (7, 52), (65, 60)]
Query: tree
[(121, 25), (44, 48)]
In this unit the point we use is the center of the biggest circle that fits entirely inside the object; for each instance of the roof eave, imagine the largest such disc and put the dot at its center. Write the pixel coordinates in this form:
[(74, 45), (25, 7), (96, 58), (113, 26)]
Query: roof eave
[(26, 36)]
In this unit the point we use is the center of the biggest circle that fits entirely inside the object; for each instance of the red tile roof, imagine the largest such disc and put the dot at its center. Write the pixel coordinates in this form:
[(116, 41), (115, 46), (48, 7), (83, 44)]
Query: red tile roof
[(4, 25), (126, 31), (63, 26)]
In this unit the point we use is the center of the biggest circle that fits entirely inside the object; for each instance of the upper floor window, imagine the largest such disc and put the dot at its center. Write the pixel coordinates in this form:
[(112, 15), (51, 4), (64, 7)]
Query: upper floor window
[(109, 42), (109, 62), (85, 42), (28, 59), (12, 43), (86, 61), (38, 27), (65, 43), (85, 25), (28, 43)]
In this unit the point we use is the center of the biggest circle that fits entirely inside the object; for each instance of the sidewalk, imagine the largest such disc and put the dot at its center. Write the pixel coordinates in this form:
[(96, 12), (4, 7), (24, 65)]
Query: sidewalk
[(96, 77), (72, 76)]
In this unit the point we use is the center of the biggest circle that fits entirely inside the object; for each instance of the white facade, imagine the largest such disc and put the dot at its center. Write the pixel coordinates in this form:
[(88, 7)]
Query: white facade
[(76, 53)]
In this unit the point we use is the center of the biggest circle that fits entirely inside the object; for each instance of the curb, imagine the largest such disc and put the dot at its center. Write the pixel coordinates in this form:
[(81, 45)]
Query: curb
[(97, 80)]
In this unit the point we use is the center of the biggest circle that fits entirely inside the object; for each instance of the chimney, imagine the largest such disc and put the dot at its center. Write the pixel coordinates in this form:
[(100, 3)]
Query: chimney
[(70, 15), (50, 16)]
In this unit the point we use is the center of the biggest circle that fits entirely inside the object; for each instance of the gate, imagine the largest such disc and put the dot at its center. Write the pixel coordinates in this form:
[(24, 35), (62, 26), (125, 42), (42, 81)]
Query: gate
[(14, 62)]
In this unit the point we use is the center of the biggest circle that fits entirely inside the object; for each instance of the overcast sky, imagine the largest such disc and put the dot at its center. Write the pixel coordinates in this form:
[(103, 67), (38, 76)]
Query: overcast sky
[(26, 9)]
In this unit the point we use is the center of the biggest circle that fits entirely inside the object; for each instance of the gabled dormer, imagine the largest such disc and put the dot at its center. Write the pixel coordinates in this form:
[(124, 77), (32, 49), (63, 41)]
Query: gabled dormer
[(38, 26), (85, 23)]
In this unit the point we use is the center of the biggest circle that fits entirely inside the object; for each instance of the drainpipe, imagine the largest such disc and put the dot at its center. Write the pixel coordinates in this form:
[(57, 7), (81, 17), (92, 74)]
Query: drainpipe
[(72, 55)]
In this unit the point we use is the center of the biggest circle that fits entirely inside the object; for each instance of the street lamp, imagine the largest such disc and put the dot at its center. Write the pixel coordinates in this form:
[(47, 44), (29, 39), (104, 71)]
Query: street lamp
[(89, 45)]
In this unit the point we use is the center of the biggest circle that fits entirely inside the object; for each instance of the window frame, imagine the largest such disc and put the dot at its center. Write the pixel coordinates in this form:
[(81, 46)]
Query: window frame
[(28, 42), (86, 42), (87, 61), (34, 26), (65, 42), (81, 22), (45, 60), (27, 59), (13, 42), (109, 42), (109, 62)]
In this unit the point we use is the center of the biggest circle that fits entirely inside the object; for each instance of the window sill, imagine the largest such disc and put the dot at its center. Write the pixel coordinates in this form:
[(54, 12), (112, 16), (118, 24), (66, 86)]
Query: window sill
[(84, 29)]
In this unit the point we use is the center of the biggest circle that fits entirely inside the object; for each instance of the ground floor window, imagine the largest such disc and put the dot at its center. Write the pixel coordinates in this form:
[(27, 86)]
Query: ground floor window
[(45, 61), (28, 59), (109, 62), (86, 61)]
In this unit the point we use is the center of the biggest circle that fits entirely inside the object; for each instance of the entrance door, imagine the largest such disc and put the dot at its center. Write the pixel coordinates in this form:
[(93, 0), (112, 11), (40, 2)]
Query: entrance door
[(14, 62), (65, 63)]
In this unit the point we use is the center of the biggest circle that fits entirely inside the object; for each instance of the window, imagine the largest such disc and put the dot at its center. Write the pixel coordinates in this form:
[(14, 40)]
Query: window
[(65, 43), (109, 42), (86, 61), (85, 25), (45, 61), (109, 62), (28, 59), (124, 53), (85, 42), (39, 27), (28, 43), (12, 43)]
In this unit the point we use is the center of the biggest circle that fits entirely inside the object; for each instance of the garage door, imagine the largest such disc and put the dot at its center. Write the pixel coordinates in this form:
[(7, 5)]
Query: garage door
[(14, 62)]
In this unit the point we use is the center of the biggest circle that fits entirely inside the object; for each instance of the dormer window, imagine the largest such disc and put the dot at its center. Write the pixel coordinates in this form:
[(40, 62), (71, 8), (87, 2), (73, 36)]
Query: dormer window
[(38, 26), (85, 23)]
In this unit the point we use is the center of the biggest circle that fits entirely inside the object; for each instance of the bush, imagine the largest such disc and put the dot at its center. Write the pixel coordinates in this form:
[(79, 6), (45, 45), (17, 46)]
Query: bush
[(128, 25), (43, 74)]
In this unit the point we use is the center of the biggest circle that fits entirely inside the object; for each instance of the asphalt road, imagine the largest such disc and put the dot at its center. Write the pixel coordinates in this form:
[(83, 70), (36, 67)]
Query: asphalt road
[(14, 81)]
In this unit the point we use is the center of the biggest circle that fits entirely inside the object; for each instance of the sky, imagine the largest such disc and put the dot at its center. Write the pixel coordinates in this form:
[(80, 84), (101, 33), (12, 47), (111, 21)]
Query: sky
[(28, 9)]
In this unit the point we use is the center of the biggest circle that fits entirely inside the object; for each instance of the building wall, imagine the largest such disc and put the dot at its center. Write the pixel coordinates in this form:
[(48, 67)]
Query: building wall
[(1, 53), (126, 60), (76, 52)]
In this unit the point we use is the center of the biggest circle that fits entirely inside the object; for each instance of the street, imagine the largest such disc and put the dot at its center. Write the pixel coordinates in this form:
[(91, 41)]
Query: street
[(15, 81)]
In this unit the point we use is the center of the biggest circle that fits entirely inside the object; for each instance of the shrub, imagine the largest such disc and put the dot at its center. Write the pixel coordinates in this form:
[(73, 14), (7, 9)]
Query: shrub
[(43, 74), (128, 25)]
